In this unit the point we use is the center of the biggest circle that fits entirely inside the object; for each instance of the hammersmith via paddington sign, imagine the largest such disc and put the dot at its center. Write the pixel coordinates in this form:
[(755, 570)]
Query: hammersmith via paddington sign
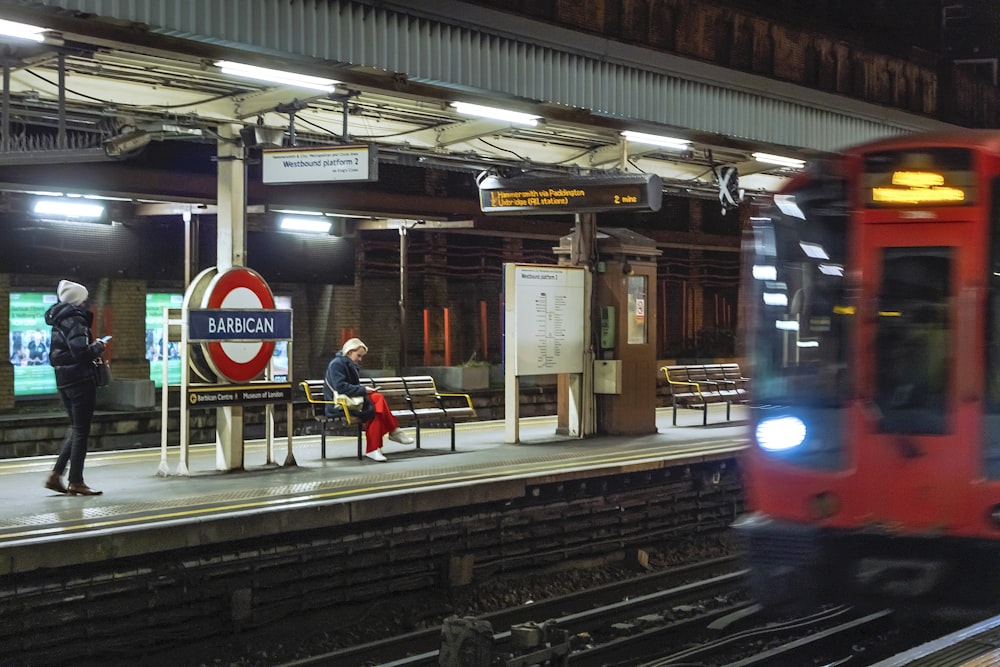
[(334, 164), (227, 324), (571, 194)]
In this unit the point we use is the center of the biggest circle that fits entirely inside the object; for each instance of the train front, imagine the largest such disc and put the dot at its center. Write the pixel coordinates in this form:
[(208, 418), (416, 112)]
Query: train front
[(868, 480)]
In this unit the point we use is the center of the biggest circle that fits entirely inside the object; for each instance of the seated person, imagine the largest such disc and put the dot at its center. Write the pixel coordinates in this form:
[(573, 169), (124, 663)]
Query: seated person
[(343, 377)]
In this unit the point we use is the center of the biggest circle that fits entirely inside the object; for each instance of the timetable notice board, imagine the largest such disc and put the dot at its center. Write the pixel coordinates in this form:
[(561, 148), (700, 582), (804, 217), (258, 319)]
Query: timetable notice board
[(544, 307)]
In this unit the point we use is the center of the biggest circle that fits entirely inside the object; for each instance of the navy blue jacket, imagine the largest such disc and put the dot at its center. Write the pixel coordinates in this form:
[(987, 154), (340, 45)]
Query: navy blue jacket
[(72, 350), (343, 376)]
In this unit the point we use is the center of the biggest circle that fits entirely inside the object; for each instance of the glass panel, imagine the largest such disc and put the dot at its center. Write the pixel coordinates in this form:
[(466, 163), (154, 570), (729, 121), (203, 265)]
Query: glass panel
[(636, 310), (803, 313), (991, 420), (913, 340)]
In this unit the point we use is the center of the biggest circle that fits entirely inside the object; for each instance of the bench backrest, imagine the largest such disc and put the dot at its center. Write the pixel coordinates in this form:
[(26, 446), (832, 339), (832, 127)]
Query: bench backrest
[(675, 373), (392, 388), (423, 392), (715, 372), (733, 372)]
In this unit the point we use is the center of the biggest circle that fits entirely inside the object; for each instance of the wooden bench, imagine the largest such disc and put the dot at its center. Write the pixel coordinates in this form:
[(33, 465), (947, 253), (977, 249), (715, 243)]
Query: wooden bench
[(691, 387), (413, 401), (416, 401), (345, 419), (730, 381)]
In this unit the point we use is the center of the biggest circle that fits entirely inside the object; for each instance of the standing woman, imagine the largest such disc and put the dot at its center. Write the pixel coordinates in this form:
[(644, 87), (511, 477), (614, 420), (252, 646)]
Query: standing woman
[(343, 377), (72, 352)]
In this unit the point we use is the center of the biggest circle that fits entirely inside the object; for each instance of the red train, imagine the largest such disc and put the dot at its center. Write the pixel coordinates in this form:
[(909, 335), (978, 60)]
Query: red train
[(873, 473)]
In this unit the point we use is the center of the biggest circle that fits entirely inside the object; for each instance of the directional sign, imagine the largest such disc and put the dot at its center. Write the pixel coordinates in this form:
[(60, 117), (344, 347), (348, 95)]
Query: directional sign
[(216, 396), (576, 194), (242, 290)]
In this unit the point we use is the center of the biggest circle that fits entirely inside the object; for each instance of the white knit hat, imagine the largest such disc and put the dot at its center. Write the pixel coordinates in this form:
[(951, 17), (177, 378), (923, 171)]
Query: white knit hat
[(353, 344), (71, 292)]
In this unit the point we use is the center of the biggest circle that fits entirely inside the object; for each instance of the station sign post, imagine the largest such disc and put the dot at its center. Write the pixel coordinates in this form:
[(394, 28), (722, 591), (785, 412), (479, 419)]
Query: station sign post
[(236, 328)]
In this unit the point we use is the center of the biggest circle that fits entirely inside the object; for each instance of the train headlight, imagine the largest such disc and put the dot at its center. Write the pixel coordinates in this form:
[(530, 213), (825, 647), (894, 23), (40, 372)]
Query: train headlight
[(780, 433)]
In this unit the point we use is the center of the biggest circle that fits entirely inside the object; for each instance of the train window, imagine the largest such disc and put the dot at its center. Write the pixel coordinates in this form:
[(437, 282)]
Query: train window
[(913, 340)]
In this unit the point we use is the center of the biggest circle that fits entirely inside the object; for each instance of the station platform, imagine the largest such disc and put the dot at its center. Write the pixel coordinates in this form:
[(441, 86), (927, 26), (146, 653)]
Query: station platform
[(144, 511)]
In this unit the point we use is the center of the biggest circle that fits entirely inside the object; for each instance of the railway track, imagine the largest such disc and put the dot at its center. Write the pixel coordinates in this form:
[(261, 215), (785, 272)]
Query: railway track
[(718, 579), (699, 614)]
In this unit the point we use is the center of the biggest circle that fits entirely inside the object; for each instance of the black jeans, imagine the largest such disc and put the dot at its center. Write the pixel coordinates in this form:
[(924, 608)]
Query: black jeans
[(79, 400)]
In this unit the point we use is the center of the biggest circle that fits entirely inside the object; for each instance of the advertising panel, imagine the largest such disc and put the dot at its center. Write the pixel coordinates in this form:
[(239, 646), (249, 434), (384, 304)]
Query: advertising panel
[(29, 344), (155, 354)]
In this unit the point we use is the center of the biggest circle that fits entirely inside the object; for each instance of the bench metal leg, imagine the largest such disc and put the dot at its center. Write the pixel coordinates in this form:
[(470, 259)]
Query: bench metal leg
[(675, 413), (704, 412), (360, 453), (453, 436), (322, 441), (728, 405)]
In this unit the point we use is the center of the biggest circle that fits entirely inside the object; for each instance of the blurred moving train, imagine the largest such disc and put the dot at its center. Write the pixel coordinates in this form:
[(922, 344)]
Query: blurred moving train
[(873, 473)]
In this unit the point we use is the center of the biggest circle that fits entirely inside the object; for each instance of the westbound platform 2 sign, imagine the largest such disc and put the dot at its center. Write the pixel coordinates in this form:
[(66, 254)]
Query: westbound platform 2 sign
[(570, 194)]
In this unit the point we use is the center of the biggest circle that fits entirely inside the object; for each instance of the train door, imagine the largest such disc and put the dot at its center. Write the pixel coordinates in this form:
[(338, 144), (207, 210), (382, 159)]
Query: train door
[(914, 428)]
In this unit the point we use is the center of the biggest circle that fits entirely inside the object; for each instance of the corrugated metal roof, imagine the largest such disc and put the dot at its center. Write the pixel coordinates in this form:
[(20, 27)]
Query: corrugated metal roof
[(464, 47)]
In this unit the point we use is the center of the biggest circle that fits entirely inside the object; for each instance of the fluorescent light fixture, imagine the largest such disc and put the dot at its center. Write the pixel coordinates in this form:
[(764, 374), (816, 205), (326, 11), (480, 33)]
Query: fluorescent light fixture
[(22, 31), (786, 325), (655, 140), (64, 208), (276, 76), (779, 160), (313, 225), (495, 114), (294, 212), (831, 269)]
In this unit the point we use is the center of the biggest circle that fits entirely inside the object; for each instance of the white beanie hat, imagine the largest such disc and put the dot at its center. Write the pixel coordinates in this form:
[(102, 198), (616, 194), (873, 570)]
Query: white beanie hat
[(71, 292), (353, 344)]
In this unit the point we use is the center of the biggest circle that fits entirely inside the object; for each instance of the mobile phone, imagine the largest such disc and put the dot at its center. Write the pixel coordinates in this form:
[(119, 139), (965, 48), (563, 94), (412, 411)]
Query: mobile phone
[(104, 339)]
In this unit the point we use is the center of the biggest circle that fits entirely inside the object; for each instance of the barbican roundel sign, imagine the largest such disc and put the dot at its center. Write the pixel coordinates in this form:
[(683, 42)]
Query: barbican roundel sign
[(235, 303)]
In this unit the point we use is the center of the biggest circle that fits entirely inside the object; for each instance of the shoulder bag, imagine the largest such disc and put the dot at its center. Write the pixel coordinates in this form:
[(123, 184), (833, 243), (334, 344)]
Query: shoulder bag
[(352, 401), (102, 372)]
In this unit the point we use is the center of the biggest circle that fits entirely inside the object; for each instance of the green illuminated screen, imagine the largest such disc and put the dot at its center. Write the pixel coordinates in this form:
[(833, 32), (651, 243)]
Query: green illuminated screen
[(155, 354), (29, 344)]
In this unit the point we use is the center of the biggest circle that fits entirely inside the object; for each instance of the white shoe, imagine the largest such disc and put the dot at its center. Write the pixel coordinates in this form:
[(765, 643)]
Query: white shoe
[(376, 455), (399, 436)]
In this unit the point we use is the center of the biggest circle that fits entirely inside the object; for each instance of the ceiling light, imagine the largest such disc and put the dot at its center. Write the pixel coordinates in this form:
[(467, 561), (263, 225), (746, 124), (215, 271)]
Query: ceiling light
[(656, 140), (314, 225), (22, 31), (495, 114), (779, 160), (276, 76), (65, 208)]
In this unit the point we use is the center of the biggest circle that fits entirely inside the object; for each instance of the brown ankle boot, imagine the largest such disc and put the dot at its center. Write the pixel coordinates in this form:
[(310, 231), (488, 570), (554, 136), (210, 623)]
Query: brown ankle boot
[(54, 482), (82, 489)]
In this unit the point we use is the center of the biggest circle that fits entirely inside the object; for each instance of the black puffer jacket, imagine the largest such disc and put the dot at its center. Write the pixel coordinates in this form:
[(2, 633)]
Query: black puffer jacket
[(73, 350)]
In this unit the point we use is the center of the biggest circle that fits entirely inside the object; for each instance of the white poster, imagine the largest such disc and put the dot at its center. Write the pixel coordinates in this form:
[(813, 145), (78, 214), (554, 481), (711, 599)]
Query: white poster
[(545, 307)]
